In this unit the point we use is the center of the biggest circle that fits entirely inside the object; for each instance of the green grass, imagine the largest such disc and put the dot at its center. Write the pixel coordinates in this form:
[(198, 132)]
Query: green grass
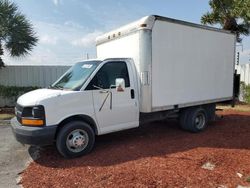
[(248, 179), (242, 108), (247, 94), (6, 116)]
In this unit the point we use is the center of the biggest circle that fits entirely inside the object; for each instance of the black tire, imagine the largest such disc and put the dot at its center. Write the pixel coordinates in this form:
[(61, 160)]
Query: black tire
[(183, 118), (75, 139), (210, 109), (194, 119)]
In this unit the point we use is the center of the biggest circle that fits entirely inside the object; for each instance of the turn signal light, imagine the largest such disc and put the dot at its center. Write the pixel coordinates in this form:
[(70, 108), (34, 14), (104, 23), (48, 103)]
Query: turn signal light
[(33, 122)]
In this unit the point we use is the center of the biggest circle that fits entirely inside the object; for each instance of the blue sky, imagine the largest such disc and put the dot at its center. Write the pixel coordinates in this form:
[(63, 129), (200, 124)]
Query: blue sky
[(67, 28)]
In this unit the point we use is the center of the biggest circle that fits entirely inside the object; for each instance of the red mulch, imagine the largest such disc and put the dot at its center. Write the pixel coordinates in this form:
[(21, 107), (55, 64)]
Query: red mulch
[(155, 155)]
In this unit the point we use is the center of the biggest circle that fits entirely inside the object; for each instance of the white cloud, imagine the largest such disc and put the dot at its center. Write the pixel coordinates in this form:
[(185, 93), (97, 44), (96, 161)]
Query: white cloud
[(87, 40), (245, 56), (55, 45), (43, 56), (245, 53), (88, 8), (71, 40), (47, 39), (73, 24), (56, 2), (56, 34)]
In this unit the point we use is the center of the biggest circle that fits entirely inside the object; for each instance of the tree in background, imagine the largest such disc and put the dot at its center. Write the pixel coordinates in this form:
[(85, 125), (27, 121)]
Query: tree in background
[(16, 33), (233, 15)]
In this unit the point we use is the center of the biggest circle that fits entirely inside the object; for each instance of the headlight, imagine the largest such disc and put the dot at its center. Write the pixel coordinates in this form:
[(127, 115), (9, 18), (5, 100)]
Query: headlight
[(33, 116), (38, 112)]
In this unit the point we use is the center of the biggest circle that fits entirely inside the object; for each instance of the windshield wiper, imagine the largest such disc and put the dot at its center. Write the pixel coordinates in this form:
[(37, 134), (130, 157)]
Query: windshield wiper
[(56, 87)]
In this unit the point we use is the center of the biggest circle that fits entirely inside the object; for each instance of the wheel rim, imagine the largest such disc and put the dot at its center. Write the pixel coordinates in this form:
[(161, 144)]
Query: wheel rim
[(77, 140), (200, 120)]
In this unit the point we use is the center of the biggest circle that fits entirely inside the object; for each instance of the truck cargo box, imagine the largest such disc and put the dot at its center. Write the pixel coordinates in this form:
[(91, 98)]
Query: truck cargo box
[(179, 63)]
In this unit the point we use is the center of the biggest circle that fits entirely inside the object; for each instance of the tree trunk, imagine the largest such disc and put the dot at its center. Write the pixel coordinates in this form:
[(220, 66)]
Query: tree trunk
[(230, 24)]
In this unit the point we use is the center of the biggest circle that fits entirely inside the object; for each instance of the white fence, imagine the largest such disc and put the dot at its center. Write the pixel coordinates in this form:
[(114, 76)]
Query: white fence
[(27, 75), (41, 76), (244, 71)]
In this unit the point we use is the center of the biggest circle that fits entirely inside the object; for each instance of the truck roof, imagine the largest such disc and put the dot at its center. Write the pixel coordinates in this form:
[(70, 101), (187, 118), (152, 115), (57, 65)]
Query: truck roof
[(147, 22)]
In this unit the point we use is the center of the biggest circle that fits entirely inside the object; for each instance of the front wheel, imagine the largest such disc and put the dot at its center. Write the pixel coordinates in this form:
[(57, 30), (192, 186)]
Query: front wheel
[(75, 139)]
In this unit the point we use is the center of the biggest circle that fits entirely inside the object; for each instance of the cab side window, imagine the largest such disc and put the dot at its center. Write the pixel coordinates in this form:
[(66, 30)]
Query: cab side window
[(106, 76)]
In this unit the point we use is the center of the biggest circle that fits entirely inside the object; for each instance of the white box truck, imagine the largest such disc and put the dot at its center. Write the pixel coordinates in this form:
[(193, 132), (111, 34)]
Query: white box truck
[(151, 69)]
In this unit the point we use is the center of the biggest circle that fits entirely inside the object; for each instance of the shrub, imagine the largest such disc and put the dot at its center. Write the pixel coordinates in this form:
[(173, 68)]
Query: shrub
[(14, 91), (245, 92)]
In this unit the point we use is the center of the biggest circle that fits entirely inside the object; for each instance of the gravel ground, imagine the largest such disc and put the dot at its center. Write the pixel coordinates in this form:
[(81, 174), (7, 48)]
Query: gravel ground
[(155, 155), (13, 157)]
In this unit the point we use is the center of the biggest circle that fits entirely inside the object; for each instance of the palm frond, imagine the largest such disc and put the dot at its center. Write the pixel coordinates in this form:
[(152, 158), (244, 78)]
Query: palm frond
[(16, 32), (243, 29), (210, 18), (229, 14), (21, 38)]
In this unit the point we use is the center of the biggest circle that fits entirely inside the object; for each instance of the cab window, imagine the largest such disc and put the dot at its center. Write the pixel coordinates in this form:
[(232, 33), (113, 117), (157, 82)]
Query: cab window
[(106, 76)]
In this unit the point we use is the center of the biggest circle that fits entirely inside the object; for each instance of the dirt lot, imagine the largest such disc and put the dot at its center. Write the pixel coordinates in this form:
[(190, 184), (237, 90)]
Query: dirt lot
[(156, 155)]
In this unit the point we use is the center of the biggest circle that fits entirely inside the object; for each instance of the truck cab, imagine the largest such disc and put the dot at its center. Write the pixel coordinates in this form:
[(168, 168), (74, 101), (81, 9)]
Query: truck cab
[(93, 97)]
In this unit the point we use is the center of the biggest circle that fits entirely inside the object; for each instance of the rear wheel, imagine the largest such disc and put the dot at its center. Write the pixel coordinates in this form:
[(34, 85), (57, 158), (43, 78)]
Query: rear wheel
[(75, 139), (194, 119)]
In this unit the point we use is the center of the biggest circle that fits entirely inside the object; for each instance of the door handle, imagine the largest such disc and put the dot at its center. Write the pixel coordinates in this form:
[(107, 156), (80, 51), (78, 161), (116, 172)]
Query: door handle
[(132, 93), (103, 91)]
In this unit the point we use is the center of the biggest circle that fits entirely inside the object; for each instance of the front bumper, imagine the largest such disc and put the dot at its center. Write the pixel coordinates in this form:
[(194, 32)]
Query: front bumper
[(33, 135)]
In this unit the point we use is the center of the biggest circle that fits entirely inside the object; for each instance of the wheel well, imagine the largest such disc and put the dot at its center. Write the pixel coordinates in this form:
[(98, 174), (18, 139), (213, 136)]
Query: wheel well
[(209, 109), (83, 118)]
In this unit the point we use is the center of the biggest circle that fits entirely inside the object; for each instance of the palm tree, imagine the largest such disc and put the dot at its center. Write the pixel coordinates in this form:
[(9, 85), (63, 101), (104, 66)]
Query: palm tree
[(233, 15), (16, 33)]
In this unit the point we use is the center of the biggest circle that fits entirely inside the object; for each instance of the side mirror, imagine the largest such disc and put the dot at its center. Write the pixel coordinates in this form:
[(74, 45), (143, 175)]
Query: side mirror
[(120, 84)]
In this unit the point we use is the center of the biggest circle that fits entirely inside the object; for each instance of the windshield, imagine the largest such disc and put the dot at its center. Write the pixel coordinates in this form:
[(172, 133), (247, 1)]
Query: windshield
[(76, 76)]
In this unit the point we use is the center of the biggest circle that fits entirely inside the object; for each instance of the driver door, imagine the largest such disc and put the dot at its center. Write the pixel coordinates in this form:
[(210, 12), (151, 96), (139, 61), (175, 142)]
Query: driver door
[(114, 110)]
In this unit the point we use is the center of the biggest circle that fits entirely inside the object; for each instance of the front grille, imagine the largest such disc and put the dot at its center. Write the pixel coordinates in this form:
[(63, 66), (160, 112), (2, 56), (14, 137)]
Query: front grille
[(22, 112), (19, 108), (27, 112)]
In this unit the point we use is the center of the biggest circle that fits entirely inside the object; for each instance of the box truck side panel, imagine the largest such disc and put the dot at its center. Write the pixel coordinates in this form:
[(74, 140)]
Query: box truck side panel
[(190, 65)]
